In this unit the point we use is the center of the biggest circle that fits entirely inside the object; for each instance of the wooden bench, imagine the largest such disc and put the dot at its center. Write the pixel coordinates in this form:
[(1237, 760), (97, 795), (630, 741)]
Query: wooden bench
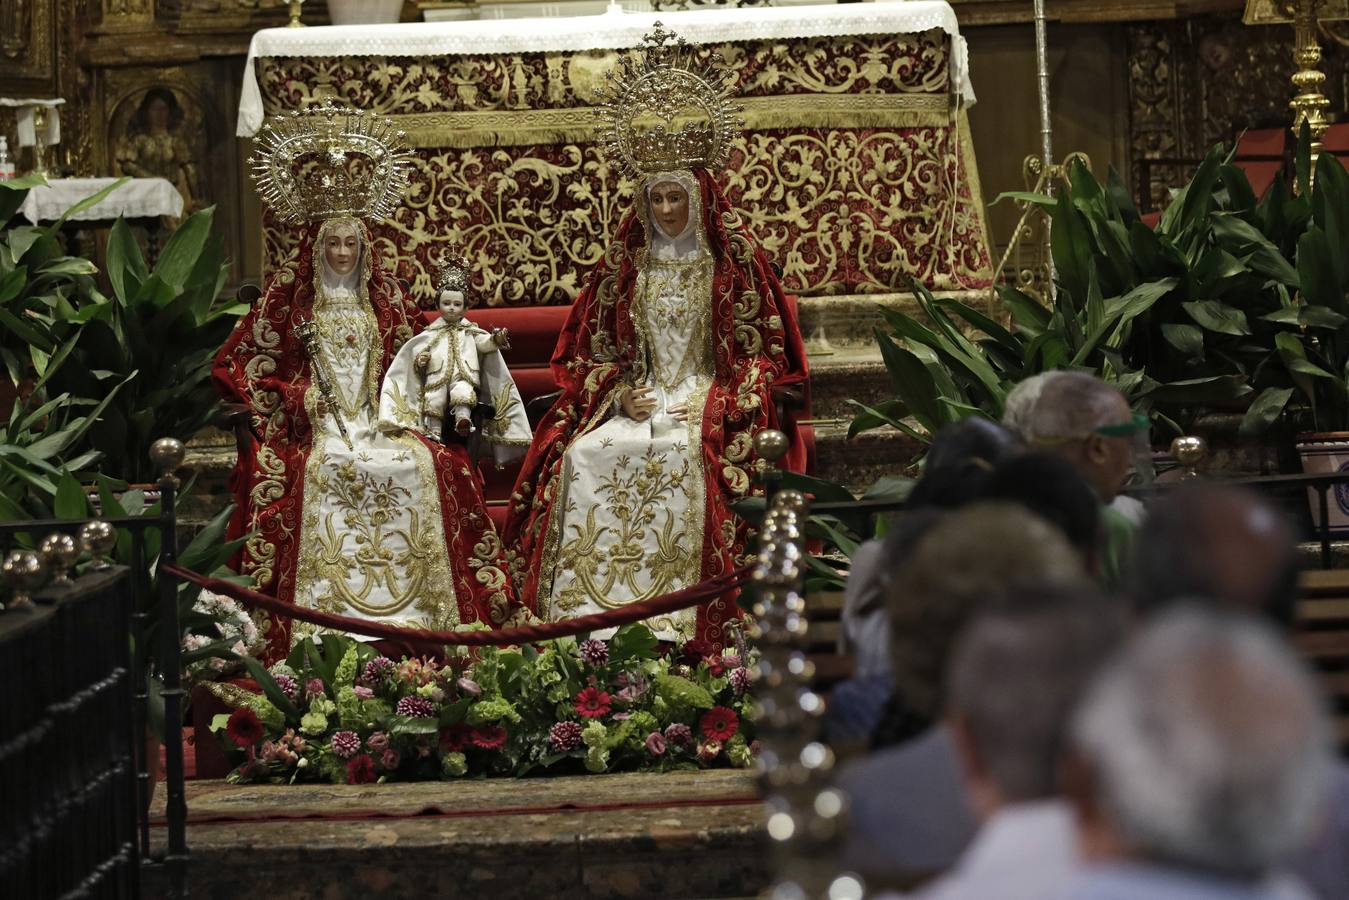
[(1322, 636)]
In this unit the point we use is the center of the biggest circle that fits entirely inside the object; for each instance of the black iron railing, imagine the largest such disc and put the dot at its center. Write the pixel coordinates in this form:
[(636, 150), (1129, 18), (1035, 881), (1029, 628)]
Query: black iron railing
[(106, 679), (860, 515)]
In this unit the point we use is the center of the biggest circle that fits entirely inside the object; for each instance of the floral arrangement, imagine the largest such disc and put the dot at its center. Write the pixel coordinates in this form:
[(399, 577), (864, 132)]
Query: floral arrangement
[(338, 711), (215, 649)]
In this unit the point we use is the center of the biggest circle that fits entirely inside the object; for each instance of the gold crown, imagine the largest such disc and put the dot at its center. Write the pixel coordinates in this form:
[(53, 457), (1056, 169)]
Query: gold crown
[(663, 111), (452, 273), (329, 161)]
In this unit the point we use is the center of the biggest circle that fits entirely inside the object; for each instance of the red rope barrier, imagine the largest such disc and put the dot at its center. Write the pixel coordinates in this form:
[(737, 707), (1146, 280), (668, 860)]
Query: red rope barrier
[(501, 637)]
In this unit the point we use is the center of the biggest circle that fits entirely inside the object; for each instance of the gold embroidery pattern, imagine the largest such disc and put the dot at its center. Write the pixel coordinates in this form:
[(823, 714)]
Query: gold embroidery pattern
[(854, 176), (635, 495)]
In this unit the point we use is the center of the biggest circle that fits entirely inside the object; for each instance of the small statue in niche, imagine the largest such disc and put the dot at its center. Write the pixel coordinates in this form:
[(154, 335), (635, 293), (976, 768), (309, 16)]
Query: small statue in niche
[(440, 375), (154, 145)]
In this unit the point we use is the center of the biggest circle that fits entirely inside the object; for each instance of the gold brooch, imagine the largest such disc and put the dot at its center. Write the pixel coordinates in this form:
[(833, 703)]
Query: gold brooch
[(329, 161), (661, 111)]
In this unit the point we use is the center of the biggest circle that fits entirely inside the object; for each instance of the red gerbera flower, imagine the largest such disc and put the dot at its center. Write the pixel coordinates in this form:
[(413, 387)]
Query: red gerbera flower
[(244, 727), (489, 737), (455, 738), (719, 723), (361, 770), (592, 703)]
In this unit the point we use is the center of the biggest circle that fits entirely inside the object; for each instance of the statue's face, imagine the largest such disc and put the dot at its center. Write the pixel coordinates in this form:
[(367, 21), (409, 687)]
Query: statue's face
[(451, 305), (341, 249), (157, 115), (670, 207)]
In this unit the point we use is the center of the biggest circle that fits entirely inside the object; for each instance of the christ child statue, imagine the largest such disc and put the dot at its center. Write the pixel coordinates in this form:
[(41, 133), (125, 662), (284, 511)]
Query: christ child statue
[(441, 374)]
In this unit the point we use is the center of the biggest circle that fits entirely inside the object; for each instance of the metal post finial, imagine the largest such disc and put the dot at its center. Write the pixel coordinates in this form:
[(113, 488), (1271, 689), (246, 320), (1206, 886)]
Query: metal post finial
[(167, 454)]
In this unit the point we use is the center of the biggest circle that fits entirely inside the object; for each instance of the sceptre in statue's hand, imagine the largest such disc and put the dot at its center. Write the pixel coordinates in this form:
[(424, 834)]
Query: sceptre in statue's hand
[(309, 335)]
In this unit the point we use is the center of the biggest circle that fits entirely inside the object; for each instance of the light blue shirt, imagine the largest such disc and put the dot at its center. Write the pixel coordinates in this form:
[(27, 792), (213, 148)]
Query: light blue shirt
[(1138, 881)]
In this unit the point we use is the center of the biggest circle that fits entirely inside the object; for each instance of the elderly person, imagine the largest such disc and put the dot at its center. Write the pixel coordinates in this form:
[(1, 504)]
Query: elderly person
[(1237, 550), (1014, 680), (911, 817), (1089, 424), (1202, 756)]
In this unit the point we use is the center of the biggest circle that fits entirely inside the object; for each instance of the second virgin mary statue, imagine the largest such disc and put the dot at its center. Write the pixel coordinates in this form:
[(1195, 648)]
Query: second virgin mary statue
[(667, 363)]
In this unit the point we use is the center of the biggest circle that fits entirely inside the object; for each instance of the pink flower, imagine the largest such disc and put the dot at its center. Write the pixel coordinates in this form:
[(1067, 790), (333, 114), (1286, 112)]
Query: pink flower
[(655, 744), (740, 680), (709, 750), (376, 669), (564, 737), (346, 744), (679, 734), (289, 686), (594, 652), (592, 703), (469, 687), (363, 692), (314, 688), (731, 660), (390, 759), (377, 742), (416, 708)]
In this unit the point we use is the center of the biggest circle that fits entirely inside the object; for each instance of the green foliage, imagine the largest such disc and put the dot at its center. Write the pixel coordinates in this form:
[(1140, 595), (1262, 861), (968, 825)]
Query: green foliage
[(1229, 303), (158, 333), (45, 296)]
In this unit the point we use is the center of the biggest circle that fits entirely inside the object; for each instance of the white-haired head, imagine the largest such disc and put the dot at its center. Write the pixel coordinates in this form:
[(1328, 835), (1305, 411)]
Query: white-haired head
[(1208, 744), (1021, 400)]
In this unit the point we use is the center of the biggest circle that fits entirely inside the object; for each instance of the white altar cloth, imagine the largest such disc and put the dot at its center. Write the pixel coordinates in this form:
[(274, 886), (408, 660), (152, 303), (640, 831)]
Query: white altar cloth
[(138, 198), (611, 31)]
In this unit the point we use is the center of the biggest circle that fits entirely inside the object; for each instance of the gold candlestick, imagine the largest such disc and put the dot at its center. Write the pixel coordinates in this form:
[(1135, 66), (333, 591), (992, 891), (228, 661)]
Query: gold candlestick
[(1309, 104), (295, 14)]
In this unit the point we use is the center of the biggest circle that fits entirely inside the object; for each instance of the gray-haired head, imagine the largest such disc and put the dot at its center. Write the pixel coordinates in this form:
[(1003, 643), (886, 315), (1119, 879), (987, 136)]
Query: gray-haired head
[(1069, 405), (1021, 400), (1068, 409), (1208, 744), (1040, 649)]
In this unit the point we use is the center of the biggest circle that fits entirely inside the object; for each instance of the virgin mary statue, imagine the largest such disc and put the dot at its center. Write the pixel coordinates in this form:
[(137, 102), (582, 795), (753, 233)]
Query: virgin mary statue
[(345, 517), (666, 365)]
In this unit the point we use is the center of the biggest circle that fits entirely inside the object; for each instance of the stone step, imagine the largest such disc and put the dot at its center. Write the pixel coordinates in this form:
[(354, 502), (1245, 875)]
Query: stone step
[(681, 834)]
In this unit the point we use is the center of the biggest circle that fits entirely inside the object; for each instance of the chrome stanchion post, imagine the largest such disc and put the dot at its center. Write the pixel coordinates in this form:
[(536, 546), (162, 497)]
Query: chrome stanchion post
[(804, 812)]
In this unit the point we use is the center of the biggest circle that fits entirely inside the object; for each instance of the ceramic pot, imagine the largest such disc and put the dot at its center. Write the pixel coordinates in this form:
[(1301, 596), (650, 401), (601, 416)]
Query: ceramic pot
[(1326, 453)]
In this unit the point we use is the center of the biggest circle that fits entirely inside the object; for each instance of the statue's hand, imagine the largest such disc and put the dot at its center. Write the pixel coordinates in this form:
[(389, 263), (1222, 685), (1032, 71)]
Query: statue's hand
[(502, 338), (637, 403), (679, 412), (321, 407)]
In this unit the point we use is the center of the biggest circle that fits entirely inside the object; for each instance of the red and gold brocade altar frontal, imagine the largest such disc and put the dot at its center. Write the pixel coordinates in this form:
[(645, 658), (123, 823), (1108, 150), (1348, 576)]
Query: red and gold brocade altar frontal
[(855, 170)]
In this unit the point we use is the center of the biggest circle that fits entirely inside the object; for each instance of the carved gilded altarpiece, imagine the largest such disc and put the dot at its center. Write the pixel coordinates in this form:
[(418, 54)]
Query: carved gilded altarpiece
[(1196, 82), (854, 168)]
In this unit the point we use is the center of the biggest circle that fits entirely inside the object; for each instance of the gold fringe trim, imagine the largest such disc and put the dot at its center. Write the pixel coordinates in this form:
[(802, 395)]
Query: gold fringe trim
[(231, 694), (527, 127)]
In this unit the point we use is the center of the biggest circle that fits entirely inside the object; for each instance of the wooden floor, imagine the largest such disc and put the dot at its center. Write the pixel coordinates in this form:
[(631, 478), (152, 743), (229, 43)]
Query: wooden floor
[(685, 835)]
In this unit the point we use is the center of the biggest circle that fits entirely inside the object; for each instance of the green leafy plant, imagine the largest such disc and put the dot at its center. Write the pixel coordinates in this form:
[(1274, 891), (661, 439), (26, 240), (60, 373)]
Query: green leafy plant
[(158, 333), (1309, 362)]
